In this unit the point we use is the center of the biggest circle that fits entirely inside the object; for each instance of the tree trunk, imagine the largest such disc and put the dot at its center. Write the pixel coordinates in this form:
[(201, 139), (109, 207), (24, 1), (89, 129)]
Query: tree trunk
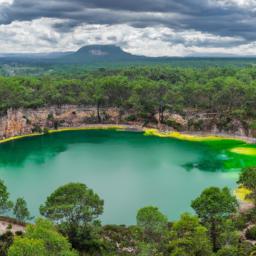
[(161, 114), (214, 234), (98, 112)]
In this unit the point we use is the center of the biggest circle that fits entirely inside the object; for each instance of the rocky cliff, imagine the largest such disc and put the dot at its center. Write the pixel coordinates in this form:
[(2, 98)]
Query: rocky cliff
[(26, 121)]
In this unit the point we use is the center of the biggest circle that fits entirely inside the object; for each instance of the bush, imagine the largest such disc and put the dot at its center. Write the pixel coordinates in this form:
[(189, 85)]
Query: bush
[(251, 233), (228, 251), (37, 129), (131, 118), (45, 130), (174, 124)]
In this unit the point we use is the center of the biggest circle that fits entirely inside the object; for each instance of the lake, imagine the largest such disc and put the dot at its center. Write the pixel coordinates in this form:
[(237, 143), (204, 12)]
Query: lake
[(127, 169)]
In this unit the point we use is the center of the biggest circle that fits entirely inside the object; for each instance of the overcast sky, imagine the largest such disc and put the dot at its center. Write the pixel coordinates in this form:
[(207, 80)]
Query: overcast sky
[(144, 27)]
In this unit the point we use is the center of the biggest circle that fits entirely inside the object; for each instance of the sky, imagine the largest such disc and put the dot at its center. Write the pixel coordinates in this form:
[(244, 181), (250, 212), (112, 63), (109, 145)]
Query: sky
[(142, 27)]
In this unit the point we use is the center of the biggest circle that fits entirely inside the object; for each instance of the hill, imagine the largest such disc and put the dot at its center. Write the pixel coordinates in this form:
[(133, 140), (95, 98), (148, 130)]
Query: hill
[(114, 56)]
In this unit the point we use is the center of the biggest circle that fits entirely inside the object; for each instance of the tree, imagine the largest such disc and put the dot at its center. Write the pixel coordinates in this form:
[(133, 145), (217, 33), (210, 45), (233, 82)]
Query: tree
[(5, 203), (41, 239), (229, 236), (20, 210), (213, 207), (248, 180), (189, 238), (228, 251), (73, 204), (27, 247), (96, 93), (152, 222), (75, 208)]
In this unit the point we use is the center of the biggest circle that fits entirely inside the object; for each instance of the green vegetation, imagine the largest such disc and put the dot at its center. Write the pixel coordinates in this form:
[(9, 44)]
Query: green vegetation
[(73, 227), (213, 207), (41, 239), (189, 237), (145, 93), (248, 180), (75, 208), (21, 211), (5, 203)]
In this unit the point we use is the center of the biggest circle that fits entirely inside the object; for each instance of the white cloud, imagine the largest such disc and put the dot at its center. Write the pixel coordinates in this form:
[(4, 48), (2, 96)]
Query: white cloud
[(239, 3), (40, 36), (6, 2)]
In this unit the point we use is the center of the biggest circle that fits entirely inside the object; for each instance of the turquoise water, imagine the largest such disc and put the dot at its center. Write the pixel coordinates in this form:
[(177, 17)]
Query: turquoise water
[(128, 170)]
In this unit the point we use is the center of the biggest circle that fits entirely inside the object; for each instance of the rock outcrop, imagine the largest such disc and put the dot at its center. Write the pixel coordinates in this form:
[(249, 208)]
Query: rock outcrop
[(18, 122), (26, 121)]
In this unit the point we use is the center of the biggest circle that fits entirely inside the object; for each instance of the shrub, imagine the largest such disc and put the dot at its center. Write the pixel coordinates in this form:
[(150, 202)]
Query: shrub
[(251, 233), (174, 124), (37, 129), (131, 118), (45, 130)]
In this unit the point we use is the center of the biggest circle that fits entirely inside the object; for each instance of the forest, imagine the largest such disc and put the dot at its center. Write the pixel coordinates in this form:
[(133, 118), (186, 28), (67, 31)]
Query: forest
[(144, 92)]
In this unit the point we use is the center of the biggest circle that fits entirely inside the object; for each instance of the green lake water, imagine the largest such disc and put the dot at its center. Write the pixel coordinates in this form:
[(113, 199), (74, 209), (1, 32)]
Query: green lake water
[(128, 170)]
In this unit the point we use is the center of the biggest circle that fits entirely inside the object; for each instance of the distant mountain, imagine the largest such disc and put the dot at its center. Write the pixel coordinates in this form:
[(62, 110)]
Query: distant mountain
[(99, 53), (111, 55)]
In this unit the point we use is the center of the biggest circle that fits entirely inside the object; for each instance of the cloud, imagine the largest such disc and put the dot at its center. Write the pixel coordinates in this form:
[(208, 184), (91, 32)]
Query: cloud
[(177, 27), (6, 2), (40, 35)]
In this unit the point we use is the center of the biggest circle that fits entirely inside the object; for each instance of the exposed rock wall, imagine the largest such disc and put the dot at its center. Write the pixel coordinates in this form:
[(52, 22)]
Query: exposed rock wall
[(26, 121)]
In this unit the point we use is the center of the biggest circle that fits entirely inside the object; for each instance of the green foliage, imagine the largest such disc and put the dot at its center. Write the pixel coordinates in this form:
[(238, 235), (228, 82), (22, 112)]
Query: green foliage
[(229, 235), (146, 92), (75, 208), (213, 207), (20, 210), (251, 233), (152, 222), (41, 239), (247, 179), (27, 247), (73, 204), (5, 203), (189, 237), (228, 251)]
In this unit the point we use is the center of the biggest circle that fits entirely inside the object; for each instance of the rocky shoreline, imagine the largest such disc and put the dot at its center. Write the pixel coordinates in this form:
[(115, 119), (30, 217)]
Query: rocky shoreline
[(18, 123)]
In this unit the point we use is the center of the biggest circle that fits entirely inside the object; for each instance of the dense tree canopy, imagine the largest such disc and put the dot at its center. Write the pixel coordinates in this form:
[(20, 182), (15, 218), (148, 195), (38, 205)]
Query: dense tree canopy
[(213, 207), (75, 208), (152, 222), (146, 91)]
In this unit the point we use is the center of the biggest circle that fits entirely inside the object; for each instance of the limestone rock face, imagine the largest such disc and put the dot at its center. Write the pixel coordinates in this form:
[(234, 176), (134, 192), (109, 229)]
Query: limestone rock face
[(26, 121)]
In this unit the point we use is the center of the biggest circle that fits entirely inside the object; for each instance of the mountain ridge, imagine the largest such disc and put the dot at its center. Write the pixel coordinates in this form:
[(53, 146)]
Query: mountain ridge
[(112, 55)]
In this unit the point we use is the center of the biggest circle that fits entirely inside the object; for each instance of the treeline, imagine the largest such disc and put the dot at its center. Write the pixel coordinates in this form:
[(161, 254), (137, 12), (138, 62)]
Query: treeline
[(71, 226), (144, 91)]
